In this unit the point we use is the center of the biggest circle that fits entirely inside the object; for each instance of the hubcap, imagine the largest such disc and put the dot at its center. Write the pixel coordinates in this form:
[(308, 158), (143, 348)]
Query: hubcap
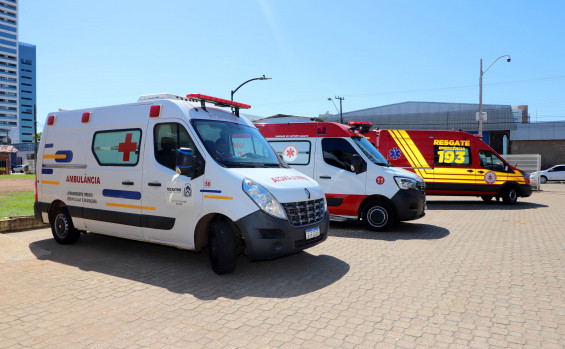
[(377, 216), (61, 226), (512, 195)]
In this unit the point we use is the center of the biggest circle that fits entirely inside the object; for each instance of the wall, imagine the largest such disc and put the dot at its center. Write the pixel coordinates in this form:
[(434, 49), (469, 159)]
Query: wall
[(552, 151)]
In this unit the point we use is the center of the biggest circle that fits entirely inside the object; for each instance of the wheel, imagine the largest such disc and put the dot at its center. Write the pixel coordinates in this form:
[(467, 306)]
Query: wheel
[(222, 247), (486, 198), (543, 179), (378, 216), (509, 195), (63, 229)]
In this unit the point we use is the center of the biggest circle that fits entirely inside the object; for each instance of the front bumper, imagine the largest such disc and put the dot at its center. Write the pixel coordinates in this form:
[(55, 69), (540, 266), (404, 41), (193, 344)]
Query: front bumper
[(267, 237), (525, 190), (410, 204)]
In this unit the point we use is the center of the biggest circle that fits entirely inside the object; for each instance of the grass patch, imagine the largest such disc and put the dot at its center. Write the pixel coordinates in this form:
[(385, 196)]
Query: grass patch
[(16, 176), (15, 204)]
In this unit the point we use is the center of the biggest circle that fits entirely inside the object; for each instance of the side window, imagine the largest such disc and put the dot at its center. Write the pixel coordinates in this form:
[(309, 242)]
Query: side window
[(293, 152), (338, 152), (447, 155), (490, 161), (167, 139), (117, 147), (560, 169)]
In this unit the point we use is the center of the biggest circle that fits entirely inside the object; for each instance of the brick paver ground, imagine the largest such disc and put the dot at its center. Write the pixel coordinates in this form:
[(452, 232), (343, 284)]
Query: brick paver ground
[(469, 274)]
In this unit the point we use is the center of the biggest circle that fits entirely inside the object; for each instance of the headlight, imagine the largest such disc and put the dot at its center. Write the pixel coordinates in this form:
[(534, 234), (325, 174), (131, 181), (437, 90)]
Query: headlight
[(405, 183), (263, 199)]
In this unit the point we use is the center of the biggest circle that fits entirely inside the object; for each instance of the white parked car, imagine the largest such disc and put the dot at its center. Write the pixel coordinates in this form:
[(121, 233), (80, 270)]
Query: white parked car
[(555, 173), (19, 168)]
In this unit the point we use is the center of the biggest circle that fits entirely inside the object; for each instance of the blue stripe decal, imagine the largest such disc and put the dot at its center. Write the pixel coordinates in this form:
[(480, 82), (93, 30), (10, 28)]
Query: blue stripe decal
[(210, 191), (49, 145), (121, 194), (68, 153), (47, 171)]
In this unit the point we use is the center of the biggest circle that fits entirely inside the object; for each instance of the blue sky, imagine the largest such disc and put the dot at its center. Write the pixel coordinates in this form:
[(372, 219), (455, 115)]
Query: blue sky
[(372, 53)]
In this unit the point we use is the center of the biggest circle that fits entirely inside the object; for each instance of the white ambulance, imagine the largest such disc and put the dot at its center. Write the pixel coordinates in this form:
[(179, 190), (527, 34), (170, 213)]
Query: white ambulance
[(168, 170), (358, 181)]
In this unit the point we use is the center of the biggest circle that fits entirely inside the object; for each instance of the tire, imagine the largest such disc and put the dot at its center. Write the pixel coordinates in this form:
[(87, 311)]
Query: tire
[(486, 198), (378, 216), (509, 195), (222, 247), (543, 179), (63, 229)]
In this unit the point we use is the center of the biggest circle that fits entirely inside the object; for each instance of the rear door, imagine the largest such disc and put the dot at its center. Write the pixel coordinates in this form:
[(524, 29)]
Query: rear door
[(557, 174)]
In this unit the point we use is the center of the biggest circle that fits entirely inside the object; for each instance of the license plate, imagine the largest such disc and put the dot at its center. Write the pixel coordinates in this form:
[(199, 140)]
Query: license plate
[(312, 233)]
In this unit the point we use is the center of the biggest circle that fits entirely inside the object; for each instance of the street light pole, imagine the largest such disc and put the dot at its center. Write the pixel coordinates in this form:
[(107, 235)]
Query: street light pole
[(259, 78), (340, 107), (481, 91)]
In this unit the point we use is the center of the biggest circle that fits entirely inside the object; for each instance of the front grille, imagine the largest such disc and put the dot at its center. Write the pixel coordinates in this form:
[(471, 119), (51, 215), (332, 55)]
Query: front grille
[(305, 212)]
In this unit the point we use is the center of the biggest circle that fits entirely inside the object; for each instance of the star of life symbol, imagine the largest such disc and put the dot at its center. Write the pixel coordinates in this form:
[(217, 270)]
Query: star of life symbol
[(394, 153), (290, 153)]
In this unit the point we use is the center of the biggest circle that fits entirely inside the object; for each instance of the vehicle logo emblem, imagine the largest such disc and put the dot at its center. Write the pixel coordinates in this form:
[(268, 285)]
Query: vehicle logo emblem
[(307, 193)]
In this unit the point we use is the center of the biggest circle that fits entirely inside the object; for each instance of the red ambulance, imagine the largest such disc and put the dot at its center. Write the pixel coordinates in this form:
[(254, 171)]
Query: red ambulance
[(451, 163), (358, 181)]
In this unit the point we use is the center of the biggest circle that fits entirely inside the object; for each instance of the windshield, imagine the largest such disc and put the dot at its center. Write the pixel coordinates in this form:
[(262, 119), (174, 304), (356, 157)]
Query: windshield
[(370, 151), (235, 145)]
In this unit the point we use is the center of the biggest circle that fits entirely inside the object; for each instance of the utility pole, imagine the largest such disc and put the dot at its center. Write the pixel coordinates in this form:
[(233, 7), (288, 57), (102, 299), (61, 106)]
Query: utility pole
[(340, 109)]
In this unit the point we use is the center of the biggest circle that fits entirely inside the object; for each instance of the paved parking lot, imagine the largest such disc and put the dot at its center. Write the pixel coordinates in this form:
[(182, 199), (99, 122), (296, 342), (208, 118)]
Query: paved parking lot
[(469, 274)]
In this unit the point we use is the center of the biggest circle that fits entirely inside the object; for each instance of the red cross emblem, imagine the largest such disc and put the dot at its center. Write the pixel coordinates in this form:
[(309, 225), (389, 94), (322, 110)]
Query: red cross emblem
[(127, 147)]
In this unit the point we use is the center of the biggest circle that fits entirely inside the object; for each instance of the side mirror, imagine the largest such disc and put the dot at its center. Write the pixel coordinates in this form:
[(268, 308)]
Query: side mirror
[(356, 163), (185, 164)]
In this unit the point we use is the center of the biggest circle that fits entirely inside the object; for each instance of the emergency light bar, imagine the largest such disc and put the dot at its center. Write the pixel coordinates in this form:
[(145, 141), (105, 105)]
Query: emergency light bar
[(197, 97), (361, 126), (359, 123)]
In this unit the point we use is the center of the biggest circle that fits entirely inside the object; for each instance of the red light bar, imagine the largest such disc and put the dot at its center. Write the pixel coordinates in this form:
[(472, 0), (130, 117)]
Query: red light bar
[(197, 97), (155, 111), (86, 117), (359, 123), (50, 120)]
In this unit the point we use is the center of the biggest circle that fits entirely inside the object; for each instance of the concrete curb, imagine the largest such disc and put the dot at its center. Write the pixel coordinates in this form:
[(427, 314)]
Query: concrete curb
[(11, 224)]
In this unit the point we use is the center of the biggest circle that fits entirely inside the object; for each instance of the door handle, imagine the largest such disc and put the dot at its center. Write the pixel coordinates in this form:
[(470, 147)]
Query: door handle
[(480, 171), (127, 183), (154, 184), (325, 177), (469, 170)]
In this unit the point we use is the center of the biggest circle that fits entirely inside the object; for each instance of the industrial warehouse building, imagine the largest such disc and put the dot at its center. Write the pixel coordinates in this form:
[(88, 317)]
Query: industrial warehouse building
[(507, 130), (501, 119)]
